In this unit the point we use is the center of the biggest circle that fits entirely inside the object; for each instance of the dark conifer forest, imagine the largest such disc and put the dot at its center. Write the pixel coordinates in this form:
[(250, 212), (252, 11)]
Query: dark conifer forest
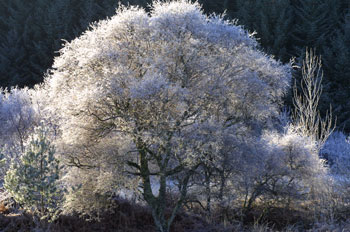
[(174, 115)]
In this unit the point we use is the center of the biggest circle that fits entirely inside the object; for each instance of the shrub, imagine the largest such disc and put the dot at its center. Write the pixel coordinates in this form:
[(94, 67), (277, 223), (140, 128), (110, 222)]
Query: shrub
[(32, 181)]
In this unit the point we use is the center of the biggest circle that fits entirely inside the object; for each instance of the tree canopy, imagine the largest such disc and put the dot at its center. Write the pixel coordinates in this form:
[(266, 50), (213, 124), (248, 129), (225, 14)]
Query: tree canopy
[(159, 84)]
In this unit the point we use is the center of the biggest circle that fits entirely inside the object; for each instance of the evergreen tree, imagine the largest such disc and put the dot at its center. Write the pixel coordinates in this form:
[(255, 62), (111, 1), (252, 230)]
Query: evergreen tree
[(337, 69), (212, 6), (32, 31), (32, 181), (246, 13), (231, 7), (4, 15), (273, 26), (272, 20), (314, 23), (12, 48)]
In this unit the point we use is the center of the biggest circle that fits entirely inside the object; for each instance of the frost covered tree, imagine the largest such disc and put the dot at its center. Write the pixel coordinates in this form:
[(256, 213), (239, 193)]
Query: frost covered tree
[(17, 119), (21, 110), (32, 181), (160, 85), (306, 115)]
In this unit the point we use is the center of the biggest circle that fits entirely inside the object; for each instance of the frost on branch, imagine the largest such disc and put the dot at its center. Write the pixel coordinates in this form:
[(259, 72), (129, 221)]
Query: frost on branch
[(17, 117), (150, 81), (178, 59)]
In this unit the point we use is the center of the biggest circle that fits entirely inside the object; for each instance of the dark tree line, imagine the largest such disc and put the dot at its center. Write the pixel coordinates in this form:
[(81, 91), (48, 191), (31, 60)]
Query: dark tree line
[(32, 31), (286, 27)]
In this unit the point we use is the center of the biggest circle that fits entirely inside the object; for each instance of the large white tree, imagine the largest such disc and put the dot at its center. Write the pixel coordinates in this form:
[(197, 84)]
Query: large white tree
[(162, 85)]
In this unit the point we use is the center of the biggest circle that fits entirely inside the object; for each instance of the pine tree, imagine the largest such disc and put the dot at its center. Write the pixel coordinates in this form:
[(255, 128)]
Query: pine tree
[(231, 7), (32, 31), (314, 23), (12, 48), (272, 20), (337, 72), (274, 26), (4, 14), (32, 180), (212, 6)]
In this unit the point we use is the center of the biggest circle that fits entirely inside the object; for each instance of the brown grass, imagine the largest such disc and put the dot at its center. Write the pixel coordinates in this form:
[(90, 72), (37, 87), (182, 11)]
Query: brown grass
[(3, 208)]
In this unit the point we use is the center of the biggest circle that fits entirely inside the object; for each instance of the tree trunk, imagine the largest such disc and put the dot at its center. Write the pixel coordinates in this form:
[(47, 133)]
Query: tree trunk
[(41, 186), (157, 204), (208, 193)]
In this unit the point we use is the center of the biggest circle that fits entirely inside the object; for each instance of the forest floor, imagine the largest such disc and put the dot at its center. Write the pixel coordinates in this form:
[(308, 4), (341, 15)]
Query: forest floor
[(124, 217), (127, 217)]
